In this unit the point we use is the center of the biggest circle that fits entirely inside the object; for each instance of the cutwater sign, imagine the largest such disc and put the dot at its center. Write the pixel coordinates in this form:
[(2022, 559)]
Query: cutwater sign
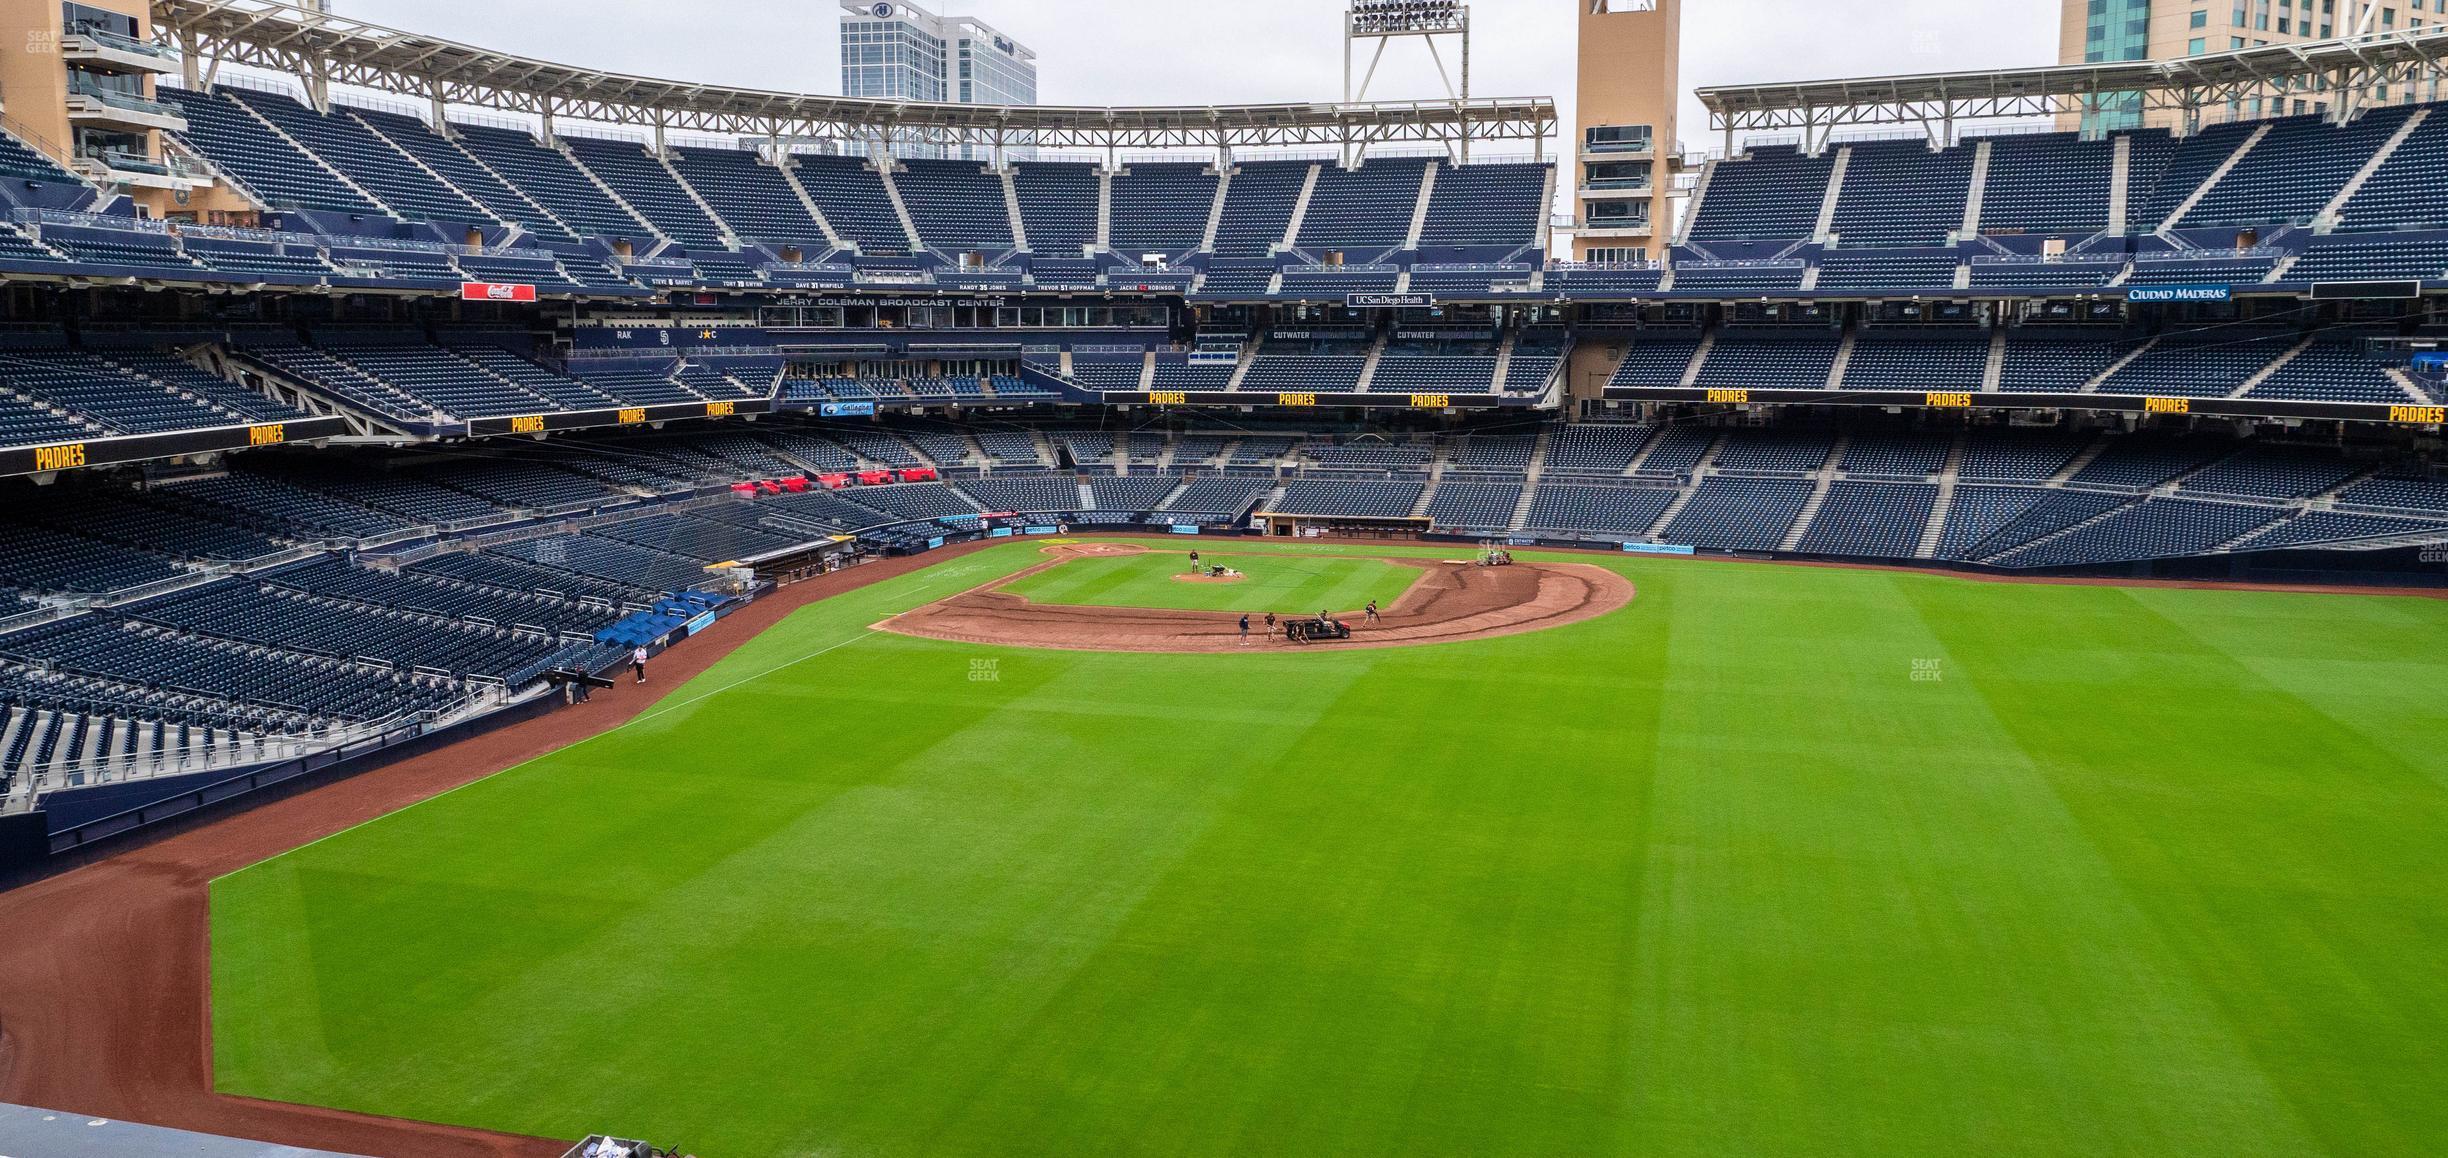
[(1388, 301), (846, 409), (2179, 293)]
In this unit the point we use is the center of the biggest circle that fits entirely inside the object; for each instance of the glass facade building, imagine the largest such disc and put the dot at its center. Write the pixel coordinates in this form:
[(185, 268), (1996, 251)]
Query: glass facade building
[(899, 51)]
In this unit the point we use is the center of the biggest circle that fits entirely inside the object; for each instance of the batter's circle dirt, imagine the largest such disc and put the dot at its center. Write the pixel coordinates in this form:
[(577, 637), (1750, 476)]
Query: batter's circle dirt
[(1451, 603)]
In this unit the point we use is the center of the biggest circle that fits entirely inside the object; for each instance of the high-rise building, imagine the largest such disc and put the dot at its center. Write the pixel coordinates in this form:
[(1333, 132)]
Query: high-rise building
[(2103, 31), (1626, 99), (900, 51)]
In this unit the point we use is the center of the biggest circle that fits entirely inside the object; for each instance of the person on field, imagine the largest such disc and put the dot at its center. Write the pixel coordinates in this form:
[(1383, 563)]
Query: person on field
[(1194, 562), (1372, 611), (637, 662), (1245, 631)]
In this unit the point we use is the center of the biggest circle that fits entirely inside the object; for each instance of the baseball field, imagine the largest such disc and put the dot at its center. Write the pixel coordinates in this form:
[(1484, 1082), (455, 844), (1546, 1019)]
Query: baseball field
[(1772, 860)]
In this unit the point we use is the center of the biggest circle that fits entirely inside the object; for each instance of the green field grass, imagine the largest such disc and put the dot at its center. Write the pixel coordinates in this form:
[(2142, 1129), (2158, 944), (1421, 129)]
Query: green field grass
[(1290, 585), (1774, 861)]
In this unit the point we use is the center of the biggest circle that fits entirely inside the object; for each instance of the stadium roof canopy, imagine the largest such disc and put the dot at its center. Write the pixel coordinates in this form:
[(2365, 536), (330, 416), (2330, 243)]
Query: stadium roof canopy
[(2337, 71), (322, 49)]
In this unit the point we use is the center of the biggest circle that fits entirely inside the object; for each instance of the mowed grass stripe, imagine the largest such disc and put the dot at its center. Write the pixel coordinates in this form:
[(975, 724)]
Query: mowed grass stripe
[(1711, 875)]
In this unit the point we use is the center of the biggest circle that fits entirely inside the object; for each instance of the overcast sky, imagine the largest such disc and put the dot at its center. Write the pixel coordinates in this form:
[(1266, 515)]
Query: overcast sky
[(1099, 52)]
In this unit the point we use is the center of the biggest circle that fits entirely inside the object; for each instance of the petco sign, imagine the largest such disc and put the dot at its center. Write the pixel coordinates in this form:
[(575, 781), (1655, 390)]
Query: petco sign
[(495, 291)]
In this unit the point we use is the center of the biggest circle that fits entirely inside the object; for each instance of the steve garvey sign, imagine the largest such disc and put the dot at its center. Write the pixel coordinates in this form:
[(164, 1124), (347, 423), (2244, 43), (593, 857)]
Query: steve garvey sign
[(496, 291)]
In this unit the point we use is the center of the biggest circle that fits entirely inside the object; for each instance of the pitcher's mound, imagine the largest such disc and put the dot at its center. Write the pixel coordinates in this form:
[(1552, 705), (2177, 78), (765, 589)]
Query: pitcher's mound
[(1186, 578)]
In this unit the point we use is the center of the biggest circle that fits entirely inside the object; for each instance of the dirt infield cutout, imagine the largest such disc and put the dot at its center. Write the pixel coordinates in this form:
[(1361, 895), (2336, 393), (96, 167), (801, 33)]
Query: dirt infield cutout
[(1452, 602)]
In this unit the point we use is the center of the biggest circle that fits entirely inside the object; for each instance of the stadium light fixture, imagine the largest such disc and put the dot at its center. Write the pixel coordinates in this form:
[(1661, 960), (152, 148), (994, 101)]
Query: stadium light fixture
[(1427, 21)]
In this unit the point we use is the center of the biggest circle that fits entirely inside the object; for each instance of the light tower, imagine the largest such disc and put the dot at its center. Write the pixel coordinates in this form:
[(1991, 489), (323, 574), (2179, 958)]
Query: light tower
[(1385, 21)]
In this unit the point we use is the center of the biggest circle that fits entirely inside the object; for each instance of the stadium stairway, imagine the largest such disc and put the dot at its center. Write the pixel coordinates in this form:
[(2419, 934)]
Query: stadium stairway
[(1948, 479)]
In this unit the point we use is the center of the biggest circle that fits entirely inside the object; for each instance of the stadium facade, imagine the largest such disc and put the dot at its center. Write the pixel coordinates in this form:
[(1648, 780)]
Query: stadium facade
[(335, 422)]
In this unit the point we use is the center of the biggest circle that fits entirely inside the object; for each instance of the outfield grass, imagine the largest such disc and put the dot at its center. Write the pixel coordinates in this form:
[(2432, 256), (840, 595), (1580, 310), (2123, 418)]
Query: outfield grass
[(2139, 871), (1289, 585)]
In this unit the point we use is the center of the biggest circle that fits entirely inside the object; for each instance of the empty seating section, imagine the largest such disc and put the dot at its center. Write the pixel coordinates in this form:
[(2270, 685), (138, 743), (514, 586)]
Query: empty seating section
[(1896, 455), (2048, 513), (2149, 530), (752, 196), (2344, 257), (1134, 493), (1474, 506), (36, 384), (445, 157), (1508, 454), (1771, 358), (642, 180), (2403, 192), (1486, 205), (1889, 358), (1289, 368), (265, 502), (2059, 359), (1657, 358), (1333, 282), (22, 163), (1739, 514), (44, 560), (2318, 527), (2190, 161), (119, 247), (2046, 274), (1740, 277), (1771, 194), (1901, 193), (1880, 272), (232, 255), (2204, 363), (1534, 365), (1433, 372), (1605, 510), (1363, 209), (1883, 520), (2272, 474), (2185, 269), (225, 133), (1775, 452), (1058, 206), (1979, 512), (2334, 369), (1161, 207), (1677, 451), (2024, 458), (1242, 278), (1109, 373), (1025, 493), (852, 198), (1371, 499), (2142, 461), (367, 160), (1258, 207), (2295, 170), (548, 177), (2047, 183), (957, 205), (1217, 496)]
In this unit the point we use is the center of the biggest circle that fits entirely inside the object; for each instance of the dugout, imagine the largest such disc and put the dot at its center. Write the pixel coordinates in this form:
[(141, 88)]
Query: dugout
[(1279, 525)]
